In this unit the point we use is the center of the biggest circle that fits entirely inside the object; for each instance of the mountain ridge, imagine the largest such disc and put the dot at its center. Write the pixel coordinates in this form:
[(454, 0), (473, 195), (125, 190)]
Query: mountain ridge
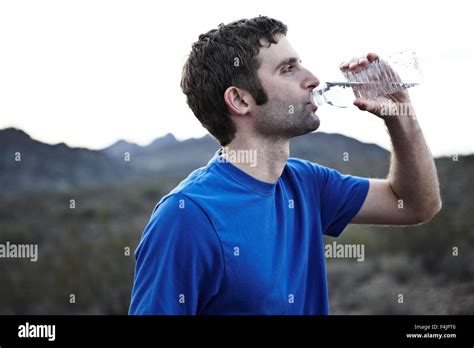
[(60, 167)]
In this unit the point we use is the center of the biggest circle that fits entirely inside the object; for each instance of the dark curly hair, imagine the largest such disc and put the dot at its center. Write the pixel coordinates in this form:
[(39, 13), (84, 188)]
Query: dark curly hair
[(224, 57)]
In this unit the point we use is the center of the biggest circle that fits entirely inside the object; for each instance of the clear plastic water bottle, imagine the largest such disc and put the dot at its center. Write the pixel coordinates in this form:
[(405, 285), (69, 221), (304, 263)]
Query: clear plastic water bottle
[(388, 75)]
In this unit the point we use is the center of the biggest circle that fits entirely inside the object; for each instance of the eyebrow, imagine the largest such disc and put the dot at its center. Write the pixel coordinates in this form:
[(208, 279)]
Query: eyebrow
[(288, 61)]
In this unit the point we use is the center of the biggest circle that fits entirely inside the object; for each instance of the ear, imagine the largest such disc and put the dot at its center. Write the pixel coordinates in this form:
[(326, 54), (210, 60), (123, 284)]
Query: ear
[(237, 100)]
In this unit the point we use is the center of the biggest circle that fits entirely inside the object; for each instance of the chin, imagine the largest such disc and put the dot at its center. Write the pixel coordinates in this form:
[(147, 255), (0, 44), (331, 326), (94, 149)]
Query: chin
[(308, 127), (313, 124)]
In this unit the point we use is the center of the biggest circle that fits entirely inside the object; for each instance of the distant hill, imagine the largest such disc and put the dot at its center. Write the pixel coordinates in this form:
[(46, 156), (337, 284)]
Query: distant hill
[(120, 147), (177, 158), (30, 165), (58, 167)]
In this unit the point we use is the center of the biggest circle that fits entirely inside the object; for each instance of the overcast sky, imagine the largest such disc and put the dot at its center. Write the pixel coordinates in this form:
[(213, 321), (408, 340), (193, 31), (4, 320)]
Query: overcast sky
[(88, 73)]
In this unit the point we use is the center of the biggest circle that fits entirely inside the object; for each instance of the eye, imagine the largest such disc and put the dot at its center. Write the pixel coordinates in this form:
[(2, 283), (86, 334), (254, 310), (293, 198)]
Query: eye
[(289, 68)]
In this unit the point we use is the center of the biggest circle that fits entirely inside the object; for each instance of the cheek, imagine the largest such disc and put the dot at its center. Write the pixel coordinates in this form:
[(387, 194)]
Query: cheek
[(274, 85), (282, 90)]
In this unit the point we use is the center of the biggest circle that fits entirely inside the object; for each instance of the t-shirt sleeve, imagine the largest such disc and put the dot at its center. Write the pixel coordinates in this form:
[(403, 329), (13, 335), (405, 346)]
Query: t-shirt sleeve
[(179, 261), (341, 197)]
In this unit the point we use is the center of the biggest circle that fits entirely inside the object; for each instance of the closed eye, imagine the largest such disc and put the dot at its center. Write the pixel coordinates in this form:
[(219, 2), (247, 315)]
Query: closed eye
[(288, 65), (289, 68)]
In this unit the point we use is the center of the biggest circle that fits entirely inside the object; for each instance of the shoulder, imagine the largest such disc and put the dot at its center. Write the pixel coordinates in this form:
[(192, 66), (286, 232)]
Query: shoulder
[(308, 170), (177, 222), (198, 182), (305, 165), (179, 209)]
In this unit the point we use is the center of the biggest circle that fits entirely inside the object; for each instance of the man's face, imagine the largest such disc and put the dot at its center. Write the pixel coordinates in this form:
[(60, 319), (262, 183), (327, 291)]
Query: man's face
[(289, 111)]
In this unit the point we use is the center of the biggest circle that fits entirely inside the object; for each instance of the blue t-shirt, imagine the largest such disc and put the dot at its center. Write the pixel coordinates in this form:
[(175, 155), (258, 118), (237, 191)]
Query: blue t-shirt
[(225, 243)]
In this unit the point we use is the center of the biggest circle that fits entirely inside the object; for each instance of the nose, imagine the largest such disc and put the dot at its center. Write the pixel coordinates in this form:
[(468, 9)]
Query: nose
[(311, 81)]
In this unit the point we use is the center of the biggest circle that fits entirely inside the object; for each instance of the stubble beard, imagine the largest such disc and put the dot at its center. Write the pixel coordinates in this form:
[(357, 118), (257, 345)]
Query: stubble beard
[(285, 121)]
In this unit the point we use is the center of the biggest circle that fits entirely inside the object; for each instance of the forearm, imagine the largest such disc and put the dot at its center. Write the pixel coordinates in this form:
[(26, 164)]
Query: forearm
[(413, 176)]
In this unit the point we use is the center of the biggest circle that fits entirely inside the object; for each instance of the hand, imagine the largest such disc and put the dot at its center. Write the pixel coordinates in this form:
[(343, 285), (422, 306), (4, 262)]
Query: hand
[(383, 106)]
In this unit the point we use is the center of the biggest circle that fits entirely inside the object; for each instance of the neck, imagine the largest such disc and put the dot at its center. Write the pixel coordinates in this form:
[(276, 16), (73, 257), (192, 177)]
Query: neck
[(262, 158)]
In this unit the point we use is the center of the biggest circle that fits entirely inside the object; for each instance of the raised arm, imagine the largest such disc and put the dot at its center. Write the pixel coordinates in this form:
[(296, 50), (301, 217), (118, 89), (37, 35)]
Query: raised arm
[(410, 194)]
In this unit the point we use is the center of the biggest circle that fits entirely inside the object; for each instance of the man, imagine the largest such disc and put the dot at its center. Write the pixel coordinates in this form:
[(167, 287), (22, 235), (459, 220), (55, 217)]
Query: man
[(245, 236)]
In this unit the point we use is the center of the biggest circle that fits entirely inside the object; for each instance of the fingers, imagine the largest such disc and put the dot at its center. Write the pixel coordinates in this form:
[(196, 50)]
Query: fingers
[(372, 106), (344, 66), (358, 63), (372, 57)]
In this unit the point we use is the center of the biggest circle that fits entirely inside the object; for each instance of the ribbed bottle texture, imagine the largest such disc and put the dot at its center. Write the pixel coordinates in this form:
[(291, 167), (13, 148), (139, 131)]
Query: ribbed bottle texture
[(392, 74)]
